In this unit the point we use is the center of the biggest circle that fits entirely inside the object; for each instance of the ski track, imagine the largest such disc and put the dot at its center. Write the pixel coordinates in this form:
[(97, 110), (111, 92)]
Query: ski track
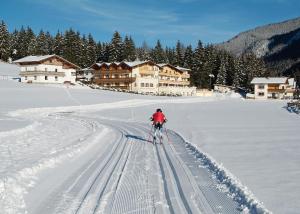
[(129, 174)]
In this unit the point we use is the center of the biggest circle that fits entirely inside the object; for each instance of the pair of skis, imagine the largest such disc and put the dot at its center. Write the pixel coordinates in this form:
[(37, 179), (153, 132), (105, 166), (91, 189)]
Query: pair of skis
[(155, 140)]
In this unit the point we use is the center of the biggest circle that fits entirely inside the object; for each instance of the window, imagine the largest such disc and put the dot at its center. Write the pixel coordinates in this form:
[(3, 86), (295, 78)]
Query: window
[(261, 94), (147, 84), (50, 60), (35, 77), (25, 77), (46, 77), (151, 84), (56, 78), (46, 69), (261, 86), (35, 68), (55, 69), (142, 84), (73, 73)]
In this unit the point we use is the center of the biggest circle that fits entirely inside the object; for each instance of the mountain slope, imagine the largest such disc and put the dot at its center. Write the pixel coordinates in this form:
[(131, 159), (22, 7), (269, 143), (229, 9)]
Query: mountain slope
[(257, 40), (278, 44)]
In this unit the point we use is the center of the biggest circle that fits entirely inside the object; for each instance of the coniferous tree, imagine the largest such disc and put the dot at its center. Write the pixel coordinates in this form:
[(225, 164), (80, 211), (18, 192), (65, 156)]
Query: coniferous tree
[(71, 46), (179, 54), (20, 44), (31, 40), (58, 45), (91, 50), (143, 53), (4, 42), (129, 49), (41, 44), (222, 73), (170, 55), (116, 48), (188, 57), (197, 68), (158, 54), (49, 42)]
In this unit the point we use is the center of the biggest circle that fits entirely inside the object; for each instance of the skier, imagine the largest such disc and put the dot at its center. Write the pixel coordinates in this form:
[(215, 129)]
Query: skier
[(158, 119)]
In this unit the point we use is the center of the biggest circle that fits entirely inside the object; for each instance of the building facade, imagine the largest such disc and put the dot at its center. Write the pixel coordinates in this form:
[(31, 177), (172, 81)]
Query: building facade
[(175, 80), (46, 69), (143, 77), (273, 88)]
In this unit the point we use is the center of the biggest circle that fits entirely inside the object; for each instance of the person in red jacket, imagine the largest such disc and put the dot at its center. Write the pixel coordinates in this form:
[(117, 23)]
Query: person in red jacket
[(158, 119)]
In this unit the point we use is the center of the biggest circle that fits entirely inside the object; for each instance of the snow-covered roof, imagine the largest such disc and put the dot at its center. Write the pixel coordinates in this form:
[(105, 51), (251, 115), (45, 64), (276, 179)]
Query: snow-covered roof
[(182, 69), (41, 58), (130, 64), (172, 66), (162, 64), (7, 69), (33, 58), (292, 82), (270, 80), (135, 63)]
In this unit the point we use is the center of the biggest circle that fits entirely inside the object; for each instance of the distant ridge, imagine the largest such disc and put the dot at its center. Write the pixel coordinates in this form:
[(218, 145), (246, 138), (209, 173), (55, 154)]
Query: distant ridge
[(277, 43)]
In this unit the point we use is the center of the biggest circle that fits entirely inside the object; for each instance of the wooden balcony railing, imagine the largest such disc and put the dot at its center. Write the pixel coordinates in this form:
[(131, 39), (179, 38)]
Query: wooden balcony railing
[(44, 73), (114, 80)]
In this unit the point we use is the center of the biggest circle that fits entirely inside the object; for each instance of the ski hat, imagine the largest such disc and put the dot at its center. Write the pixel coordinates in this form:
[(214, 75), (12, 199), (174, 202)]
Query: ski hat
[(158, 110)]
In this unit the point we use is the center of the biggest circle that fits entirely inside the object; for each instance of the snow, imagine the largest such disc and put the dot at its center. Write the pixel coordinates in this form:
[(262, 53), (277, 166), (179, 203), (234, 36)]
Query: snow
[(33, 58), (52, 137), (10, 70), (271, 80)]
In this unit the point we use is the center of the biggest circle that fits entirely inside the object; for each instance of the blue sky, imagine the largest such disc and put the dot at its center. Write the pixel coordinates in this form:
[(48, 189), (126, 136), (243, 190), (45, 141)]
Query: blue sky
[(211, 21)]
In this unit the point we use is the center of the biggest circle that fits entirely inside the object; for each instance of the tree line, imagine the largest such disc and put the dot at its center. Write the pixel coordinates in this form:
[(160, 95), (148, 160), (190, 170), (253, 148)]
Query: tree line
[(209, 65)]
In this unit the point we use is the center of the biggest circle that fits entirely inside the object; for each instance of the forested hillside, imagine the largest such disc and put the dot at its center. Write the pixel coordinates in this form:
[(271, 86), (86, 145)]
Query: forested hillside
[(84, 50)]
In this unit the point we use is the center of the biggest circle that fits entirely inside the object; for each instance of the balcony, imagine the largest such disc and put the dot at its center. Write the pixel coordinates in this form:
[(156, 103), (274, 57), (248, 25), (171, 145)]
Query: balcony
[(101, 72), (275, 90), (42, 73), (114, 80)]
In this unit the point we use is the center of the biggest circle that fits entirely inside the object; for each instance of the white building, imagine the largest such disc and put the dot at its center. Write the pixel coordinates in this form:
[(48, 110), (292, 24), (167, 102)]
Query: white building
[(143, 77), (47, 69), (85, 74), (273, 87)]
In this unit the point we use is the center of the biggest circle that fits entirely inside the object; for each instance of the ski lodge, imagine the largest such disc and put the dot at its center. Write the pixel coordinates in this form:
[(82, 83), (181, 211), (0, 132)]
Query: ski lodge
[(273, 87), (143, 77), (46, 69)]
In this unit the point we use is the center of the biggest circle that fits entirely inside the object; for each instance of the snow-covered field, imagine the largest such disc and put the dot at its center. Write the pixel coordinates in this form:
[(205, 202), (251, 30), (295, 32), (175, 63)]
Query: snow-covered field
[(78, 150)]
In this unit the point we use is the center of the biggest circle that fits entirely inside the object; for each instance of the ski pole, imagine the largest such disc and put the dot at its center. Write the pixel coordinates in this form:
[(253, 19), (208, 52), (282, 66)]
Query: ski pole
[(167, 135), (150, 133)]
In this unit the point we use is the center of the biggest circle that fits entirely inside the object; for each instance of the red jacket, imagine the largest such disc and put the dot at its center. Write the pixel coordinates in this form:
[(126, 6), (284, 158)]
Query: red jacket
[(158, 117)]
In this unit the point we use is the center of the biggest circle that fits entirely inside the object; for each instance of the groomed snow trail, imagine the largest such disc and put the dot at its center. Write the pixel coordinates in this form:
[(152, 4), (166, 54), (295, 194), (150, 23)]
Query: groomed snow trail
[(120, 171)]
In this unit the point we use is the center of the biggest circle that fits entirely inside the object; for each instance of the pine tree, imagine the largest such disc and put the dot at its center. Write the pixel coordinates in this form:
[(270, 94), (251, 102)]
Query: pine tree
[(188, 57), (116, 48), (31, 41), (41, 44), (129, 49), (170, 55), (222, 74), (91, 50), (4, 42), (20, 44), (179, 55), (58, 45), (72, 45), (197, 77), (49, 42), (158, 54), (143, 53)]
